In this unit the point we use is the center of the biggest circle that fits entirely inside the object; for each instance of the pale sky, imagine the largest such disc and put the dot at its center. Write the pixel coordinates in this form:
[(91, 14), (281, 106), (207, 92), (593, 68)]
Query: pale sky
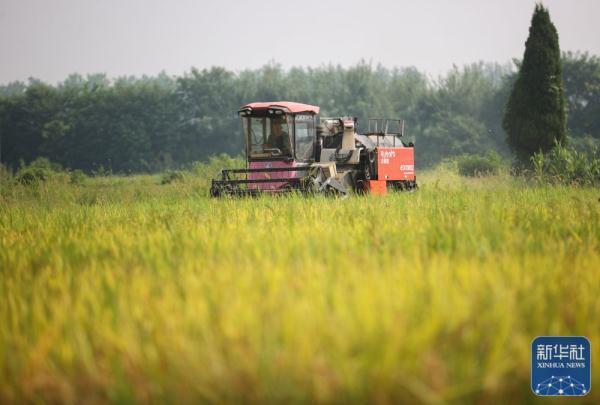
[(49, 39)]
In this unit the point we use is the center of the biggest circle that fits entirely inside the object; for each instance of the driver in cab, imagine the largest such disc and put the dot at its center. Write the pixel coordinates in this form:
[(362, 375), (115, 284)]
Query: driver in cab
[(279, 138)]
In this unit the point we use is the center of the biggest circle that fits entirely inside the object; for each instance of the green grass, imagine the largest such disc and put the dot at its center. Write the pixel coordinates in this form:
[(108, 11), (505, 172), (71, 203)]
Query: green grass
[(125, 290)]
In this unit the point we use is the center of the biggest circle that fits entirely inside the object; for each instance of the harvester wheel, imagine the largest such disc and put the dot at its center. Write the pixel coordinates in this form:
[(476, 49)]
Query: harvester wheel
[(215, 192), (360, 186)]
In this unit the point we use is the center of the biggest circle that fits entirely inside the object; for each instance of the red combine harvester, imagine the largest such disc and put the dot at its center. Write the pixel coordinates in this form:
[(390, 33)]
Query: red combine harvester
[(289, 148)]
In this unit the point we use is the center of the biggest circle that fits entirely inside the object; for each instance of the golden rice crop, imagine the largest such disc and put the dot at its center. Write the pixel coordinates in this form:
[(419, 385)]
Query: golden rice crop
[(122, 290)]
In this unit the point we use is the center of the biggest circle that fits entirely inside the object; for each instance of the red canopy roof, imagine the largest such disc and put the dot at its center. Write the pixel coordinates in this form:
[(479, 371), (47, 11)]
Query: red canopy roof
[(290, 105)]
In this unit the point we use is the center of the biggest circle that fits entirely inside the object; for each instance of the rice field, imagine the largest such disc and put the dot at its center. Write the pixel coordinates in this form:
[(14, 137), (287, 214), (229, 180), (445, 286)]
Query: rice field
[(123, 290)]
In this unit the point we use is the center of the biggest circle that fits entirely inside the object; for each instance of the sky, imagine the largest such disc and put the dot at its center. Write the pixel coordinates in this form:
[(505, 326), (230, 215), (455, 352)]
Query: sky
[(50, 39)]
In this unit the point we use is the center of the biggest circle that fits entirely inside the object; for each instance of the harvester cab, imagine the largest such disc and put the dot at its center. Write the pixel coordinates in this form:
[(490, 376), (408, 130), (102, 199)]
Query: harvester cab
[(288, 148)]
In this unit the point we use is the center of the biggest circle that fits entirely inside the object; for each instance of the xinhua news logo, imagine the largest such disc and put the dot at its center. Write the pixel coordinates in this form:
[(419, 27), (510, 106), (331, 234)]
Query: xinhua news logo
[(561, 366)]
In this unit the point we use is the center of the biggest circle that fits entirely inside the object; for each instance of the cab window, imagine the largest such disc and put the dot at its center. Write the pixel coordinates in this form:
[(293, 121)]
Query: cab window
[(267, 135), (305, 136)]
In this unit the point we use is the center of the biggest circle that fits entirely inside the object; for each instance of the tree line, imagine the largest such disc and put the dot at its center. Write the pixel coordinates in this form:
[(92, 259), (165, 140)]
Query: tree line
[(154, 123)]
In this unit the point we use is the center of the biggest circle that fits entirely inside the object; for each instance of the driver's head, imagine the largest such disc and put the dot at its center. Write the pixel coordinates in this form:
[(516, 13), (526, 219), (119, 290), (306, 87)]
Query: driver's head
[(277, 122)]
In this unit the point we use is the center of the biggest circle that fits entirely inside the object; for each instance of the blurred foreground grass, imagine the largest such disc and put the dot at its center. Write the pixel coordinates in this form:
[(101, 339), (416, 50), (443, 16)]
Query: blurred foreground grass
[(124, 290)]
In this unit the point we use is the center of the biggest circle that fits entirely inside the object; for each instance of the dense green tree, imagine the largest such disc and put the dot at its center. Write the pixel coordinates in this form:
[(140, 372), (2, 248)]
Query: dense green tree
[(581, 76), (535, 115), (155, 123)]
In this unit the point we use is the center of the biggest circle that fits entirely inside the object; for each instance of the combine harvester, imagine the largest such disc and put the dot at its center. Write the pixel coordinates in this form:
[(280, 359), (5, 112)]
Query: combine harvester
[(288, 148)]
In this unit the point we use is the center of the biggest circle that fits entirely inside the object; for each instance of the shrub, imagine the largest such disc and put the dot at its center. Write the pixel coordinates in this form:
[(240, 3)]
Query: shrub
[(45, 164), (101, 172), (172, 176), (567, 166), (32, 175), (39, 170), (77, 177), (479, 165)]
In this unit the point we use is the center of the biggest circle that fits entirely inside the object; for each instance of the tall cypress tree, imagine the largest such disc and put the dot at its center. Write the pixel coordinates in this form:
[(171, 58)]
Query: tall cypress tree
[(535, 115)]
